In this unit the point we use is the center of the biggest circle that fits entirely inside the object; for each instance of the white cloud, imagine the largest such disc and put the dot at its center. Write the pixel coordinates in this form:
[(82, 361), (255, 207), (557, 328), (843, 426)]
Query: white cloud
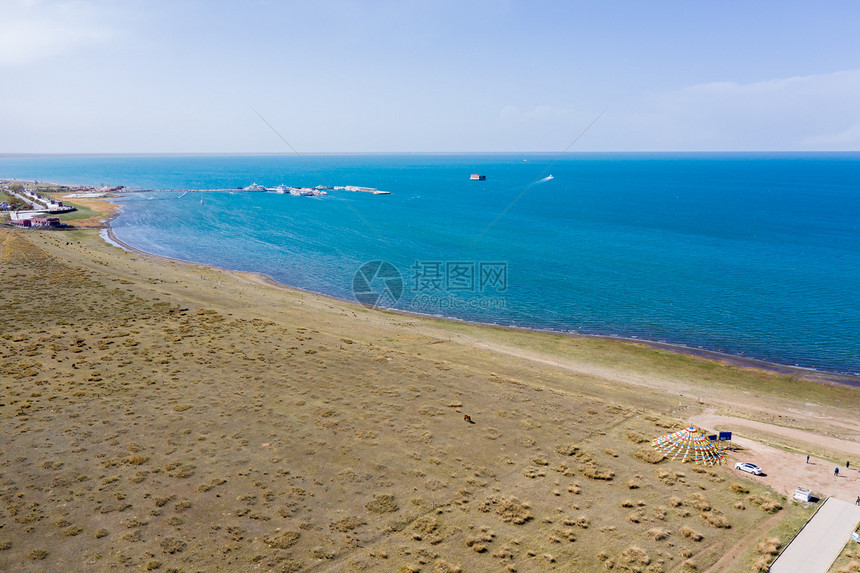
[(541, 113), (35, 29), (847, 139), (816, 112)]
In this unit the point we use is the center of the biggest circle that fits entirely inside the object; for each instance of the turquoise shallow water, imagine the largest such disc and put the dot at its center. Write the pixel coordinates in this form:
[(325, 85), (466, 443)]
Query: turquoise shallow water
[(751, 254)]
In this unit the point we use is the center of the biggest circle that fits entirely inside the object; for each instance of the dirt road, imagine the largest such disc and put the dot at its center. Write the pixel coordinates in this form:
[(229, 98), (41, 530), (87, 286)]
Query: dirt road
[(785, 471), (709, 420)]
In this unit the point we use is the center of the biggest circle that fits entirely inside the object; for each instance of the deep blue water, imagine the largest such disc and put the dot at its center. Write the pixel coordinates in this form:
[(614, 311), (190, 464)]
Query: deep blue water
[(756, 255)]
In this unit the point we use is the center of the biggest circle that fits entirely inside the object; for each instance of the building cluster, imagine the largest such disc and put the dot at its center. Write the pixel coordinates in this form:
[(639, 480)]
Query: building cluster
[(40, 223), (40, 208), (32, 197)]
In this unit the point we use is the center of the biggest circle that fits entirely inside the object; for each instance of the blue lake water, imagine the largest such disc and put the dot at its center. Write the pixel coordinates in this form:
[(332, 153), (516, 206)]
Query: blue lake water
[(756, 255)]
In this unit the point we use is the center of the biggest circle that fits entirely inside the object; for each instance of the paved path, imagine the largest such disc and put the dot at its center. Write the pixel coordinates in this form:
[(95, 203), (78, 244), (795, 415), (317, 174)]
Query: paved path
[(818, 545)]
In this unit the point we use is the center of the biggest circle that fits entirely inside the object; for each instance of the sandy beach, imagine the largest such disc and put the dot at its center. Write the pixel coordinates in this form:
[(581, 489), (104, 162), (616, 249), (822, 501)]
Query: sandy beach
[(162, 415)]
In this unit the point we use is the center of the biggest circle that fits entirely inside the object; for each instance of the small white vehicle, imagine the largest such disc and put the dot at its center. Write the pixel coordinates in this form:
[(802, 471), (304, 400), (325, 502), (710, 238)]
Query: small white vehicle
[(749, 468)]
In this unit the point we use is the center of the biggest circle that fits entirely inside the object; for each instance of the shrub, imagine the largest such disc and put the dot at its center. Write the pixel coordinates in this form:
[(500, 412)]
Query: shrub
[(650, 455), (283, 541), (347, 524), (510, 509), (172, 545), (635, 554), (691, 534), (699, 502), (658, 534), (593, 472), (37, 554), (637, 438), (716, 520), (382, 503), (769, 546), (568, 450)]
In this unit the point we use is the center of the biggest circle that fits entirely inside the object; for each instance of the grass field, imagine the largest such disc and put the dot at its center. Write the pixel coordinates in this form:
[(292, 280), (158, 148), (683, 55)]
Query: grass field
[(849, 560), (83, 212), (165, 416)]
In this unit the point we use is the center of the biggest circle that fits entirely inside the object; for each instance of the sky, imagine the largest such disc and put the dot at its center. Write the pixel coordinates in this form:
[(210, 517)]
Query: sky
[(187, 76)]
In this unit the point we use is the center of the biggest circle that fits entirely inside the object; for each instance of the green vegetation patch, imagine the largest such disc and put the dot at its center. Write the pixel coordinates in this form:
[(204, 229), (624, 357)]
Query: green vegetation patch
[(81, 213)]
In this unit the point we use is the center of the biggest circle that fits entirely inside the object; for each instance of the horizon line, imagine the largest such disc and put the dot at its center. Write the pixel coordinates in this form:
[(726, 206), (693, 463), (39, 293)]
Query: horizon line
[(359, 153)]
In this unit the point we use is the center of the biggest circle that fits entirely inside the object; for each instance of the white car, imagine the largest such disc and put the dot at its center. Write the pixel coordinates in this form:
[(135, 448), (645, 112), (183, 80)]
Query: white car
[(748, 467)]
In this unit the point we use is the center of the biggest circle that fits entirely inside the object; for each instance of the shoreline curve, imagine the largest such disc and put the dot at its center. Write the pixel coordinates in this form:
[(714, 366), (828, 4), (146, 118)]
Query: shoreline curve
[(810, 374)]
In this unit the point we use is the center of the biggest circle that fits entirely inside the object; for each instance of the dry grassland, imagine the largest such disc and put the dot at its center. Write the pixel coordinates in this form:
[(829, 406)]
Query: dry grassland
[(169, 417), (849, 559)]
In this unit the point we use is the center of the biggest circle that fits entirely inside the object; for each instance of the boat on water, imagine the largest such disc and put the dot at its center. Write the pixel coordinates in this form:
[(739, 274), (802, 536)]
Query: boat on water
[(477, 177), (254, 187)]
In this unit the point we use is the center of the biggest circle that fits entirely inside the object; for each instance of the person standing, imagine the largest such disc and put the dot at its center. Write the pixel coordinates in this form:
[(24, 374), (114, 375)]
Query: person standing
[(858, 500), (807, 458), (836, 472)]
